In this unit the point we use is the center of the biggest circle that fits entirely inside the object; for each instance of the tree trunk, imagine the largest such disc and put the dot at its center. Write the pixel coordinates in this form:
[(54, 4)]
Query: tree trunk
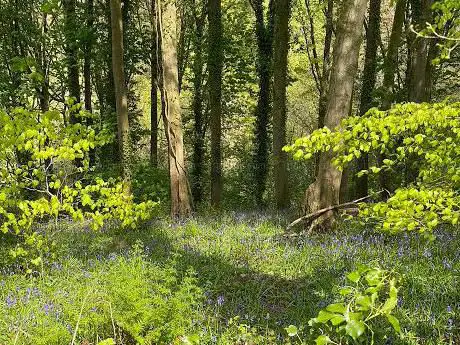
[(325, 191), (87, 66), (368, 86), (198, 140), (215, 63), (324, 82), (391, 58), (421, 10), (88, 54), (264, 33), (390, 67), (180, 202), (120, 92), (71, 48), (154, 88), (280, 71)]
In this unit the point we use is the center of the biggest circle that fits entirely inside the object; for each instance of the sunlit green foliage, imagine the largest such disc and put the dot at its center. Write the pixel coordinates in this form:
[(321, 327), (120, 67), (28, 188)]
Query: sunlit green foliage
[(44, 167), (372, 296), (424, 137)]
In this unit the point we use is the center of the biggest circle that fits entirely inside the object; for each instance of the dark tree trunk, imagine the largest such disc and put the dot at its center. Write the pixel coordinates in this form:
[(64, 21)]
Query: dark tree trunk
[(368, 85), (391, 59), (198, 140), (421, 14), (154, 88), (390, 69), (120, 92), (87, 65), (215, 63), (280, 71), (264, 33), (71, 48)]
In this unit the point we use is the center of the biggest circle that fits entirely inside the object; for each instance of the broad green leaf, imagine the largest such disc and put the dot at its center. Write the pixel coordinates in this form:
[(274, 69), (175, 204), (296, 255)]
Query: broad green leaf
[(355, 329)]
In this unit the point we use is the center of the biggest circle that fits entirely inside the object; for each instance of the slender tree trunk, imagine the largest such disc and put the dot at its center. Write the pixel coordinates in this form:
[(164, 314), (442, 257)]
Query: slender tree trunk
[(264, 33), (198, 140), (154, 89), (120, 92), (324, 82), (71, 47), (368, 86), (180, 201), (390, 68), (421, 10), (88, 54), (215, 63), (280, 71), (325, 191), (87, 66), (391, 58)]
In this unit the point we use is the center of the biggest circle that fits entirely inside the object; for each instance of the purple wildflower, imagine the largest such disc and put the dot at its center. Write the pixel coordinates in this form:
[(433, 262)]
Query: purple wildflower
[(220, 300)]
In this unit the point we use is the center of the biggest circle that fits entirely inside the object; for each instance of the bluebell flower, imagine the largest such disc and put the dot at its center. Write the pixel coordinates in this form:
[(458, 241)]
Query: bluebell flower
[(10, 301), (220, 300)]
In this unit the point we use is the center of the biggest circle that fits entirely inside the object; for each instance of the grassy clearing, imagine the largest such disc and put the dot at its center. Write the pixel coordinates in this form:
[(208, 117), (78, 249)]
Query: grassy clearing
[(226, 281)]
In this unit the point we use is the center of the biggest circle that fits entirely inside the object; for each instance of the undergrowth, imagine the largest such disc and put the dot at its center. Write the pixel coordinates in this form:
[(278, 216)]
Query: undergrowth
[(232, 280)]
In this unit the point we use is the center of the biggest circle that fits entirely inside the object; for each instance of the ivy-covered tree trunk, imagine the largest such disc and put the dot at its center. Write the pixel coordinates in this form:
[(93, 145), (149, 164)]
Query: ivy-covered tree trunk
[(215, 63), (88, 54), (71, 49), (154, 87), (180, 200), (325, 191), (280, 70), (199, 126), (368, 86), (264, 33), (120, 92)]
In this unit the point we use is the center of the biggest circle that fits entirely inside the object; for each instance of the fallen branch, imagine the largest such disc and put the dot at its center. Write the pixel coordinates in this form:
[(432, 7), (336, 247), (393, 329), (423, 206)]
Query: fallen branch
[(312, 216)]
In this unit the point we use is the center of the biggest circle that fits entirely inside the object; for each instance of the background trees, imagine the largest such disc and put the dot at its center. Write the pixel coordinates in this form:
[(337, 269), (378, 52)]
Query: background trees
[(251, 77)]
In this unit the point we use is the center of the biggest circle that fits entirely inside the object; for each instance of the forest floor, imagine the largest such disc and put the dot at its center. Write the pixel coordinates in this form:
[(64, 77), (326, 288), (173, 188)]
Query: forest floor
[(235, 280)]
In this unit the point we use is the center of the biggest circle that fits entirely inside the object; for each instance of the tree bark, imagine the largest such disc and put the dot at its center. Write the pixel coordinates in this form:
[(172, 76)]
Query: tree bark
[(154, 88), (421, 10), (215, 63), (120, 92), (180, 201), (324, 82), (368, 85), (264, 33), (199, 126), (280, 71), (87, 66), (391, 58), (325, 191), (390, 67), (71, 48)]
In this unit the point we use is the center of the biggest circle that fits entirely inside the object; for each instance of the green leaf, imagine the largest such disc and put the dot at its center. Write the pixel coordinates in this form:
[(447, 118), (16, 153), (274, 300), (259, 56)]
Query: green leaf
[(394, 322), (108, 341), (355, 329), (354, 276), (292, 330), (337, 320), (322, 340), (337, 308), (324, 316)]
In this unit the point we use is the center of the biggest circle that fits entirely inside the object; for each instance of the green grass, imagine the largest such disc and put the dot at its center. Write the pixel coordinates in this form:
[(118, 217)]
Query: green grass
[(232, 280)]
